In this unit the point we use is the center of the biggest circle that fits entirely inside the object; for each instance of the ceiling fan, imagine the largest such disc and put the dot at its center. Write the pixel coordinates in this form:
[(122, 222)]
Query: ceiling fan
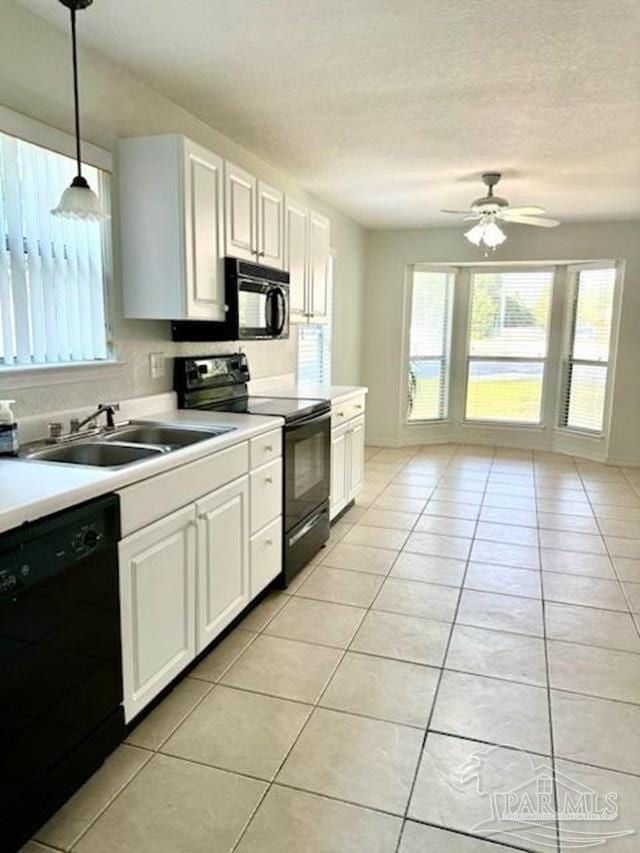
[(491, 209)]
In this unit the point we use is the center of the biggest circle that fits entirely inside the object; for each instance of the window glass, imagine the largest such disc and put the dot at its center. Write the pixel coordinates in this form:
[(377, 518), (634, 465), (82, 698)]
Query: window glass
[(587, 364), (52, 303), (507, 346), (429, 345)]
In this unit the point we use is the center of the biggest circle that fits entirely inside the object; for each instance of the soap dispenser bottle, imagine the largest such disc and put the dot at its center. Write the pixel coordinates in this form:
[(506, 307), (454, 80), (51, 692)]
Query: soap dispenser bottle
[(9, 441)]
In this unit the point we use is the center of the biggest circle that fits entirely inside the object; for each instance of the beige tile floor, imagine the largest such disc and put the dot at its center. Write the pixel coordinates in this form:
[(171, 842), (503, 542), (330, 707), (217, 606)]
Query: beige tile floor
[(476, 600)]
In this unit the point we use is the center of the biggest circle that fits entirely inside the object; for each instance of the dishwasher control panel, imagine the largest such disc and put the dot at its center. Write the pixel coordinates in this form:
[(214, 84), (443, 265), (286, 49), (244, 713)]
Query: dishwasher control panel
[(39, 550)]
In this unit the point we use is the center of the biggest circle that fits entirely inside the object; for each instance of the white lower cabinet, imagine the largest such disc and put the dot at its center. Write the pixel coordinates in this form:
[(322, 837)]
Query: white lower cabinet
[(347, 463), (223, 559), (157, 600), (338, 468), (185, 577), (266, 556), (356, 458)]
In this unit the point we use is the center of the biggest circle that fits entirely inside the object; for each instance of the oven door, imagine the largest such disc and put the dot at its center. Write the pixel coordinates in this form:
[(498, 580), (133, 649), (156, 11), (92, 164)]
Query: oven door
[(307, 448), (263, 310)]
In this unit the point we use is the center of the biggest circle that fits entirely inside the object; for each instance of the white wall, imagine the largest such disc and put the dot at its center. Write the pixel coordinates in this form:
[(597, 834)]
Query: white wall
[(388, 252), (35, 80)]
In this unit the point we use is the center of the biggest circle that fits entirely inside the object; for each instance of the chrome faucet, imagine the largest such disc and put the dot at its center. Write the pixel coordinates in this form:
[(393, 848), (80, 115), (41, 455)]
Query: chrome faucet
[(109, 410)]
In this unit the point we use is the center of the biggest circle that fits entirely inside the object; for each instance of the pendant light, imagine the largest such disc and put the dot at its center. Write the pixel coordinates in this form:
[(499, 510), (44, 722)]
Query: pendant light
[(78, 201)]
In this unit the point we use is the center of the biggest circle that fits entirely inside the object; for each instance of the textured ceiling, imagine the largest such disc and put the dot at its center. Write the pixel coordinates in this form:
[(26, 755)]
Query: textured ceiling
[(389, 109)]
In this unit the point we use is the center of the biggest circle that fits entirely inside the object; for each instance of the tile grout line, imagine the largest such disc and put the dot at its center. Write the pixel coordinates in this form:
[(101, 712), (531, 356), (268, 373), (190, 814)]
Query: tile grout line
[(439, 681), (548, 685)]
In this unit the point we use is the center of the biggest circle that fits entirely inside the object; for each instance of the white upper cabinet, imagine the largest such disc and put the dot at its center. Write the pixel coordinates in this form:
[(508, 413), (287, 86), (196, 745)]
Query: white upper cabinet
[(183, 208), (319, 244), (240, 212), (270, 226), (172, 229), (296, 258), (307, 241), (203, 233)]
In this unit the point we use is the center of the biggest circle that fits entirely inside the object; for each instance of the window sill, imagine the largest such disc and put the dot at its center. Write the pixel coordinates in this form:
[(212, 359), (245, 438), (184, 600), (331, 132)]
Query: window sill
[(580, 433), (36, 375), (502, 425)]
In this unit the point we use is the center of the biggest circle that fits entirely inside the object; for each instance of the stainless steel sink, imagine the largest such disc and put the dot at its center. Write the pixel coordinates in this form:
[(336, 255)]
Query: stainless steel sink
[(98, 453), (163, 435)]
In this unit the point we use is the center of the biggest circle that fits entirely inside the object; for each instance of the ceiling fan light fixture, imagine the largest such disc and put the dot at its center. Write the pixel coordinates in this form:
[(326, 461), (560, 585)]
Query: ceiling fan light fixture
[(78, 201), (486, 232)]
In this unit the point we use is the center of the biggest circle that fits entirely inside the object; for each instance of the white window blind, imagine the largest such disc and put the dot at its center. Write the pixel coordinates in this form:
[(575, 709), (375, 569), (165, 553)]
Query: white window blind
[(52, 306), (507, 345), (314, 342), (429, 333), (587, 362)]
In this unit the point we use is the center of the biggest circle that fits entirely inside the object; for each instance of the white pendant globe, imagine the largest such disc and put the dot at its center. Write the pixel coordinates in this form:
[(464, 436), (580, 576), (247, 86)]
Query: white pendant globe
[(80, 202)]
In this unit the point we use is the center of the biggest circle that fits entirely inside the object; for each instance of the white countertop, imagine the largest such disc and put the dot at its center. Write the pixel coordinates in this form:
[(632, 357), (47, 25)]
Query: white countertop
[(33, 489)]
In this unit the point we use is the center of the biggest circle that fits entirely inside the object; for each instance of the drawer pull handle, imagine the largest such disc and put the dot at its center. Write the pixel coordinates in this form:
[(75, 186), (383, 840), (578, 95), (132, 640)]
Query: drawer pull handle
[(340, 414), (358, 406), (268, 542), (268, 480), (268, 448)]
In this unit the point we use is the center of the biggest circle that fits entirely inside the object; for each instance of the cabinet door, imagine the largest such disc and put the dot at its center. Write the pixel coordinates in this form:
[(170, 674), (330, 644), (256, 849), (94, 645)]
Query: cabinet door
[(296, 258), (270, 226), (204, 244), (319, 242), (356, 458), (157, 592), (240, 212), (223, 558), (339, 472)]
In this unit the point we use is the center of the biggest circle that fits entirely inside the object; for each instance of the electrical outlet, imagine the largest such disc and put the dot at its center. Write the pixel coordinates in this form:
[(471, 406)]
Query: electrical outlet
[(156, 365)]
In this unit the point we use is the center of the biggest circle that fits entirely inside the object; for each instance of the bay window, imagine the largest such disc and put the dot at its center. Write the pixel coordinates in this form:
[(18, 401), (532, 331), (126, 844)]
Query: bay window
[(522, 346)]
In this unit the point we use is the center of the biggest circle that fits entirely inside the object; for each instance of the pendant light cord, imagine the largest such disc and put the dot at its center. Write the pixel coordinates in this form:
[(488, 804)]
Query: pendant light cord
[(76, 95)]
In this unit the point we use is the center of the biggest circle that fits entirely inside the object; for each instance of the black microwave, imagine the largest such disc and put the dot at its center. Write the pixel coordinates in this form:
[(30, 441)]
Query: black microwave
[(257, 307)]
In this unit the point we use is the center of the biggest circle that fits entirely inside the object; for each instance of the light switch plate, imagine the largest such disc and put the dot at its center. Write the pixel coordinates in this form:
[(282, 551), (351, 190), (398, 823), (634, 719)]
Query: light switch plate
[(156, 365)]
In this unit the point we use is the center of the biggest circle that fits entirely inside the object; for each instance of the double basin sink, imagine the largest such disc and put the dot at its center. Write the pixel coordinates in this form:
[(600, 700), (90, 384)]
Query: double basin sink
[(124, 445)]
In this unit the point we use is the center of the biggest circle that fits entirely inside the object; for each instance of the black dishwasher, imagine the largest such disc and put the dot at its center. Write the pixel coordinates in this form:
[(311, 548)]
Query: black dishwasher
[(60, 661)]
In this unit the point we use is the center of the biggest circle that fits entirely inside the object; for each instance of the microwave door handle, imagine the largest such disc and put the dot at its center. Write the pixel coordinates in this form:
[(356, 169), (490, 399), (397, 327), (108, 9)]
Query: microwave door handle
[(281, 310), (269, 310)]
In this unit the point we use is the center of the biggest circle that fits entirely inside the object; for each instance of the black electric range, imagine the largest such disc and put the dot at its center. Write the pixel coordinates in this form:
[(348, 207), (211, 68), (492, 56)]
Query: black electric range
[(219, 383)]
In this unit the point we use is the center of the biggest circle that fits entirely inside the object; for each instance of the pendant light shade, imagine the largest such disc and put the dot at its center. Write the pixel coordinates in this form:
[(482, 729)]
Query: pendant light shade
[(78, 201)]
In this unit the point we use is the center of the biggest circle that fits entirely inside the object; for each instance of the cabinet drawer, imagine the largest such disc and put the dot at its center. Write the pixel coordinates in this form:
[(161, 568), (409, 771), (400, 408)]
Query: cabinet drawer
[(266, 556), (355, 406), (156, 497), (266, 494), (265, 448), (347, 409)]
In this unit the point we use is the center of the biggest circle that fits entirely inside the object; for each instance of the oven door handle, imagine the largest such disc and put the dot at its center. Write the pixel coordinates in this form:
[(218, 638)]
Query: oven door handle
[(308, 526), (314, 417)]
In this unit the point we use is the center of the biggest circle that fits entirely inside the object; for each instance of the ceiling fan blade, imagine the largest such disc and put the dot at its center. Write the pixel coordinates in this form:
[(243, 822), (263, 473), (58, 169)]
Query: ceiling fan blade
[(470, 216), (533, 220), (458, 212), (528, 210)]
